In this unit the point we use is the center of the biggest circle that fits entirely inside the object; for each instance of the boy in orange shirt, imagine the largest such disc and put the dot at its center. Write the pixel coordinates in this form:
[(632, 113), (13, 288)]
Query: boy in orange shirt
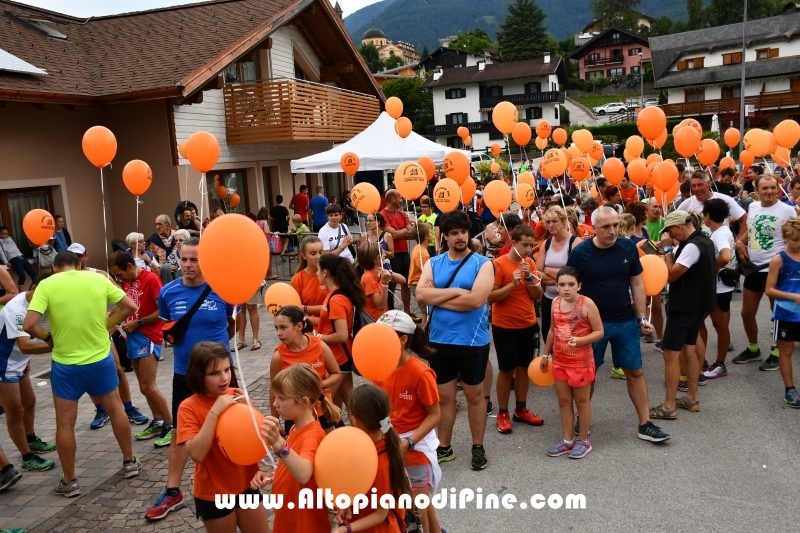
[(419, 257)]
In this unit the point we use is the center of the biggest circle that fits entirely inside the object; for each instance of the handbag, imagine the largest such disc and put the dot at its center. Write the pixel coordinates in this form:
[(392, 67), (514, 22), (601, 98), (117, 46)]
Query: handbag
[(175, 330), (274, 242), (729, 276), (747, 268)]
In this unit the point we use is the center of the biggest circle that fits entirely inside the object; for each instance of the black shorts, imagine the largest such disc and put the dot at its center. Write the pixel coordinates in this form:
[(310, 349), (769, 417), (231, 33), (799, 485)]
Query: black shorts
[(346, 368), (514, 347), (682, 328), (180, 392), (756, 282), (207, 510), (401, 262), (724, 301), (467, 363), (786, 331)]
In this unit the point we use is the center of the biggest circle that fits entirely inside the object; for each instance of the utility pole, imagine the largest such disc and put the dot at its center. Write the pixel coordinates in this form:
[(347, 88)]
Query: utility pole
[(741, 87), (641, 75)]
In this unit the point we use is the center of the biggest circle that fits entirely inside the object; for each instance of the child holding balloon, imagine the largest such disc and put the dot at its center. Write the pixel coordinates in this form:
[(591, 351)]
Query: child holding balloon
[(209, 377), (298, 397), (575, 324), (305, 282)]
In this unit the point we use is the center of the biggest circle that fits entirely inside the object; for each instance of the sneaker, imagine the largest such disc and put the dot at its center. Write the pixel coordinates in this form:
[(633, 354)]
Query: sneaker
[(747, 356), (792, 398), (527, 417), (683, 386), (770, 364), (580, 449), (659, 346), (730, 346), (165, 439), (479, 460), (560, 449), (652, 433), (489, 407), (37, 464), (152, 431), (504, 423), (40, 446), (443, 455), (136, 417), (68, 490), (577, 428), (617, 373), (131, 468), (717, 370), (701, 380), (164, 505), (705, 365), (100, 419), (9, 479), (12, 530)]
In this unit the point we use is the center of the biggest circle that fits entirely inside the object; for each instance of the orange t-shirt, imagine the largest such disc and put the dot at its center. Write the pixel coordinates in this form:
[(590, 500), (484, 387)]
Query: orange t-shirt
[(304, 442), (539, 230), (515, 311), (311, 291), (629, 195), (216, 474), (312, 355), (337, 308), (414, 269), (584, 230), (372, 285), (383, 485), (411, 389)]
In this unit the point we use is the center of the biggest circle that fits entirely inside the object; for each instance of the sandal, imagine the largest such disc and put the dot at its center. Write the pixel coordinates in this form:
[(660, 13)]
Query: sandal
[(240, 345), (683, 403), (663, 414), (256, 345)]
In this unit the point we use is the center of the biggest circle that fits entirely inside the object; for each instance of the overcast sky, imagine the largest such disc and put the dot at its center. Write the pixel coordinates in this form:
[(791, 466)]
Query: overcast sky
[(88, 8)]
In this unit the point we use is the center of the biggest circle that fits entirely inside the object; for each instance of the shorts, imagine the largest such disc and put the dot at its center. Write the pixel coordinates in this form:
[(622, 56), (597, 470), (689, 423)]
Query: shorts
[(514, 347), (452, 361), (786, 331), (579, 376), (256, 298), (180, 392), (140, 346), (346, 368), (681, 329), (14, 365), (756, 282), (401, 262), (423, 309), (724, 301), (625, 350), (420, 476), (70, 382), (207, 510)]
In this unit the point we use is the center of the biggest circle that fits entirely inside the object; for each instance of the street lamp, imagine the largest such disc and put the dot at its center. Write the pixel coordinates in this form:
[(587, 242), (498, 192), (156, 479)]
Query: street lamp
[(641, 76)]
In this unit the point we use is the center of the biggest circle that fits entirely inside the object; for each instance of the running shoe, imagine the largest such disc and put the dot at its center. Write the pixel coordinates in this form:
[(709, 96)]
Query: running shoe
[(730, 346), (100, 419), (701, 380), (504, 423), (9, 479), (792, 398), (717, 370), (705, 365), (165, 505), (131, 468), (479, 461), (68, 490), (770, 364), (580, 449), (444, 455), (136, 417), (165, 439), (527, 417), (617, 373), (577, 428), (41, 446), (652, 432), (152, 431), (683, 386), (748, 357), (37, 464), (561, 448), (489, 407), (15, 530), (659, 346)]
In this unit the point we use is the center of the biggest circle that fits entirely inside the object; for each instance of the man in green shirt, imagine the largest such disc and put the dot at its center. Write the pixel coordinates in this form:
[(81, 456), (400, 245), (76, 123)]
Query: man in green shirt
[(76, 303), (655, 218), (429, 217)]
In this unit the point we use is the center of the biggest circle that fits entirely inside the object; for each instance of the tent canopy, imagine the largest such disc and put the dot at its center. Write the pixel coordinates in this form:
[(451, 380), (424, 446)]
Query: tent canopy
[(378, 148)]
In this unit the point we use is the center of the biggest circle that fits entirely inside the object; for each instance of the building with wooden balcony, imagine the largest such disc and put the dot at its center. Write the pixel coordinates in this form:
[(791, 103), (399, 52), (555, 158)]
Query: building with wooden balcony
[(701, 70), (272, 80), (613, 52), (466, 96)]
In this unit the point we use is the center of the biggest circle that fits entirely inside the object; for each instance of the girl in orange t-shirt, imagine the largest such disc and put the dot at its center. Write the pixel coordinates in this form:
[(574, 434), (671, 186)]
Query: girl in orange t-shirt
[(209, 377), (414, 397), (370, 413), (305, 281), (296, 347), (298, 390), (375, 280)]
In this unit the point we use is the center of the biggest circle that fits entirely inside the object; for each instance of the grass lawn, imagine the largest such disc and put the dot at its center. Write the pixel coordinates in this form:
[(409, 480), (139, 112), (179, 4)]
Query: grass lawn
[(594, 101)]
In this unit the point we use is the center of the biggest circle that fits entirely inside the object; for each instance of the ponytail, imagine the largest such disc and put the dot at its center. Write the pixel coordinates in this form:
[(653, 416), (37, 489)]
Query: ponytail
[(346, 278), (418, 343), (301, 381), (296, 316)]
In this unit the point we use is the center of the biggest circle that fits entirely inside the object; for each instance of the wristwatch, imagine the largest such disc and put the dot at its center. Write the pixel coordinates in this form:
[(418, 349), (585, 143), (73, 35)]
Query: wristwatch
[(49, 336), (410, 443), (283, 453), (140, 322)]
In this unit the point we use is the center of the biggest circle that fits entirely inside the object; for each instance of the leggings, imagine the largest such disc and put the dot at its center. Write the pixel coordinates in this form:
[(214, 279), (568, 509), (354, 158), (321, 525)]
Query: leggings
[(21, 266)]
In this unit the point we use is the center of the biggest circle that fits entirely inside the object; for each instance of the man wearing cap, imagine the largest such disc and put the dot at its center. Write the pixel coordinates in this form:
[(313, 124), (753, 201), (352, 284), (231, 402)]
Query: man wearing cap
[(692, 294)]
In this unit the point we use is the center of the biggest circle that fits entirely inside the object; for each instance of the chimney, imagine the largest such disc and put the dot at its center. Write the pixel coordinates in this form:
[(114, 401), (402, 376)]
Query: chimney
[(546, 58), (437, 74), (481, 66)]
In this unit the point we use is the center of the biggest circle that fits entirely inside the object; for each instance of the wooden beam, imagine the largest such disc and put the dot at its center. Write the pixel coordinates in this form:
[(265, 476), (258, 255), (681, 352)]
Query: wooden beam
[(69, 107), (41, 107), (196, 98), (331, 73), (215, 84)]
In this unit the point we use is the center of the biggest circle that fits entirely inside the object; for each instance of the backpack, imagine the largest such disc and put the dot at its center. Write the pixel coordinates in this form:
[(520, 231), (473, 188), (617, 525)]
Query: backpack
[(360, 319), (478, 226), (569, 244), (47, 255)]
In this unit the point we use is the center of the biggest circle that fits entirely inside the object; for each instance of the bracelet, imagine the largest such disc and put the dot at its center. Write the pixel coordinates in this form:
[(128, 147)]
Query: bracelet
[(305, 309), (213, 413), (385, 285)]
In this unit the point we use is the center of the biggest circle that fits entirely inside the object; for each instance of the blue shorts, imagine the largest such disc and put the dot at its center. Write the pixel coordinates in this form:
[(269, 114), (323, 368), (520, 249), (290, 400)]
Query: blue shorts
[(70, 382), (140, 346), (625, 350)]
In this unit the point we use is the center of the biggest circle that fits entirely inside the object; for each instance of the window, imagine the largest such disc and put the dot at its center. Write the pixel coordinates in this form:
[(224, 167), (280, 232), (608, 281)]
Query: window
[(533, 87), (732, 59), (690, 64), (616, 54), (612, 72), (451, 94), (456, 118), (234, 182), (495, 90), (455, 142), (15, 204), (731, 91), (592, 58), (244, 70), (299, 73), (615, 36), (271, 186), (332, 183), (594, 74), (553, 84), (634, 51), (556, 110), (533, 113), (495, 136), (636, 70), (766, 53), (694, 95)]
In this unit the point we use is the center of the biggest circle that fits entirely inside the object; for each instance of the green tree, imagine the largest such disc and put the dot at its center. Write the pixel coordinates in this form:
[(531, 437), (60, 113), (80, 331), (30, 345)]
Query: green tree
[(425, 52), (523, 34), (393, 62), (619, 13), (472, 41), (722, 12), (697, 14), (370, 54), (661, 26), (417, 102)]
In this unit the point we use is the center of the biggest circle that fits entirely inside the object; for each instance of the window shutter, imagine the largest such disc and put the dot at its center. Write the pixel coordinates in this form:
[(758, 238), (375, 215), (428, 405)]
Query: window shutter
[(448, 119), (681, 65), (447, 94), (726, 59), (737, 57), (464, 119), (538, 87), (773, 52), (698, 62)]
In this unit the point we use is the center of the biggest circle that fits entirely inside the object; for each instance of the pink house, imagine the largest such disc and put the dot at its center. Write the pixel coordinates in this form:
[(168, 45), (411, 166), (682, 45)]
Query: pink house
[(613, 52)]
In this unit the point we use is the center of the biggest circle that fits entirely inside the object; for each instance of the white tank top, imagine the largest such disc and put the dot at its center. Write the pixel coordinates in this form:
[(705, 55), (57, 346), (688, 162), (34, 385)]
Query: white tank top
[(555, 259)]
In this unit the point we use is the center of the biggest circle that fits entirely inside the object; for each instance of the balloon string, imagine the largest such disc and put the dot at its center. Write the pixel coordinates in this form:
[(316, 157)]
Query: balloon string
[(202, 200), (650, 315), (105, 227), (186, 181)]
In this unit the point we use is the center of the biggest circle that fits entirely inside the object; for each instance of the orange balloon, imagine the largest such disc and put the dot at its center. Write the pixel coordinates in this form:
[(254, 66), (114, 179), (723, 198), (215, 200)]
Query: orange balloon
[(99, 146), (627, 155), (747, 158), (727, 162), (583, 140), (409, 180), (637, 172), (708, 152), (559, 136), (494, 167), (567, 155), (216, 179), (468, 189), (651, 121), (522, 133), (222, 192), (505, 116), (39, 226), (394, 107), (202, 151), (525, 196), (787, 133), (495, 149), (541, 144), (235, 281), (497, 196), (365, 197), (137, 177), (574, 152), (446, 195), (732, 137), (773, 142), (555, 162), (580, 168), (634, 145), (596, 151), (182, 149), (756, 142), (654, 158), (691, 123), (782, 156), (539, 378), (666, 175), (639, 248), (543, 129), (235, 200), (462, 131), (428, 165), (468, 140), (659, 141), (687, 141), (456, 167), (613, 170), (350, 163), (346, 462), (376, 365), (654, 274), (402, 127), (651, 172), (237, 436), (525, 177)]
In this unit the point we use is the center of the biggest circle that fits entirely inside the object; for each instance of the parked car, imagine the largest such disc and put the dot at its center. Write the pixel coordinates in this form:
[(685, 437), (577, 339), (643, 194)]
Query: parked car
[(611, 107), (650, 102)]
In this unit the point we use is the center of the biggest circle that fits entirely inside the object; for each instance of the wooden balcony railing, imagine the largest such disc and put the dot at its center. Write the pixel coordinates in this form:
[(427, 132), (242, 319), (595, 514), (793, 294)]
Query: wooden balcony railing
[(452, 129), (711, 107), (295, 110), (603, 61), (488, 102)]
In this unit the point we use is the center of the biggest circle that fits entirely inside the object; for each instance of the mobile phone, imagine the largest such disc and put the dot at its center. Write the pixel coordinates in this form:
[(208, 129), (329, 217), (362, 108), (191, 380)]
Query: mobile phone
[(649, 247)]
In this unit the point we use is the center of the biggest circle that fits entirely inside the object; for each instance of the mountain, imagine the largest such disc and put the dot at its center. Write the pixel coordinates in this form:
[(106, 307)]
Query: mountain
[(424, 22)]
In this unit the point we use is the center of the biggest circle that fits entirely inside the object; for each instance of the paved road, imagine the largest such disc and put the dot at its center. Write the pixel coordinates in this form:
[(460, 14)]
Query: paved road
[(732, 466), (578, 116)]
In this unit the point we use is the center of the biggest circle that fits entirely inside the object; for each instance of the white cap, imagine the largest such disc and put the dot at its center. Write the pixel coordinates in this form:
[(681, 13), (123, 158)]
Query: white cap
[(76, 248), (399, 321)]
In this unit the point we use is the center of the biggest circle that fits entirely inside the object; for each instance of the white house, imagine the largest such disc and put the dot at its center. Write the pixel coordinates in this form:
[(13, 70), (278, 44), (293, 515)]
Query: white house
[(466, 96)]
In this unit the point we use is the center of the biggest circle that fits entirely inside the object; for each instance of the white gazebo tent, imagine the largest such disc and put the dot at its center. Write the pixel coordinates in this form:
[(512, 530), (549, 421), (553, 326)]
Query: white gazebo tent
[(378, 148)]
